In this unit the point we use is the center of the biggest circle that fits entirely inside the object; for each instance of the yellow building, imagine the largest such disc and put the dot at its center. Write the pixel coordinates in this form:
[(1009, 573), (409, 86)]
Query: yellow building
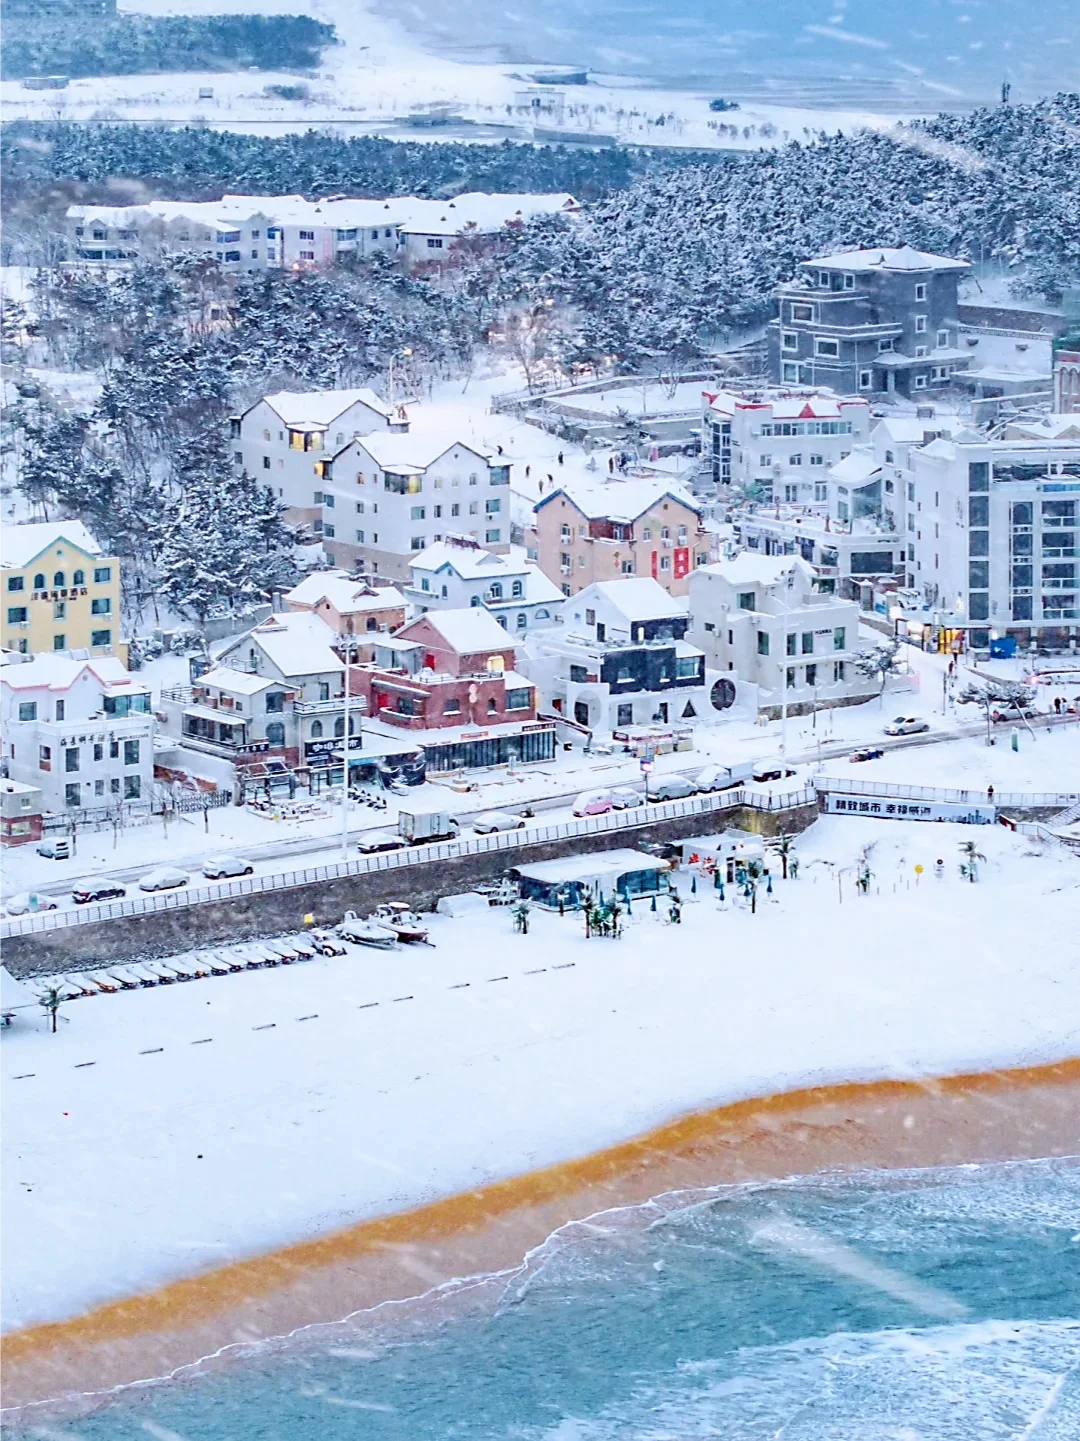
[(59, 592)]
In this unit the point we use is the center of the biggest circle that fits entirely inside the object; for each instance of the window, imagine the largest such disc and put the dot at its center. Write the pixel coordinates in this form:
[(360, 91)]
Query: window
[(808, 642), (884, 345), (493, 507), (828, 349), (100, 637), (17, 614), (101, 605), (790, 680), (979, 510), (275, 702), (58, 580), (491, 537), (306, 235), (71, 758), (942, 338), (665, 562), (802, 312), (795, 459), (436, 511), (789, 371), (360, 537), (811, 675), (817, 460), (979, 573), (821, 491), (39, 581), (789, 644), (763, 642), (920, 291), (59, 609), (522, 620), (44, 758), (99, 788), (519, 699), (492, 708), (417, 543), (474, 507), (866, 380), (28, 710), (59, 642), (628, 567), (839, 670), (131, 753), (114, 750), (496, 590), (578, 674), (73, 794), (920, 325), (15, 582), (102, 575), (791, 340), (132, 787), (60, 705), (114, 785), (823, 279), (979, 606), (451, 707), (839, 638), (764, 461), (434, 243), (275, 733), (418, 513), (920, 382), (686, 667), (746, 600), (517, 589)]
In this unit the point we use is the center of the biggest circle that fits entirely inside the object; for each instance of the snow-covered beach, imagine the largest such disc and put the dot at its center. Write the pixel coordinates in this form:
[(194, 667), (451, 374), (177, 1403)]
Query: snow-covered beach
[(162, 1135)]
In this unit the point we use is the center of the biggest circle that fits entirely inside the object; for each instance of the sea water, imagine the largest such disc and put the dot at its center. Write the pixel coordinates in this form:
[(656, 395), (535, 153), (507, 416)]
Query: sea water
[(935, 1305), (848, 52)]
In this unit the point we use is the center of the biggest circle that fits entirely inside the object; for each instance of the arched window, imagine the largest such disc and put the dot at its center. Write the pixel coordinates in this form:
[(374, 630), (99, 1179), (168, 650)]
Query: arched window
[(522, 620), (58, 580), (496, 590), (275, 733), (502, 620), (475, 600), (78, 577), (543, 614), (316, 730), (39, 581), (517, 590), (492, 707), (339, 726)]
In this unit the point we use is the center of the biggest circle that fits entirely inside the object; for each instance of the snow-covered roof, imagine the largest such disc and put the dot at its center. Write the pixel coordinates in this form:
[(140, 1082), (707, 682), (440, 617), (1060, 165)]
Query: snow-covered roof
[(317, 408), (857, 468), (297, 642), (60, 672), (1046, 427), (901, 257), (749, 567), (514, 680), (15, 995), (622, 500), (906, 429), (480, 212), (347, 596), (467, 630), (471, 562), (410, 453), (21, 544), (240, 682), (599, 865), (635, 598)]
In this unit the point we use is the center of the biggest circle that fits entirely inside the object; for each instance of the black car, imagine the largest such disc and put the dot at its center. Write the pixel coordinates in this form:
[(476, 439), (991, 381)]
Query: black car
[(96, 890)]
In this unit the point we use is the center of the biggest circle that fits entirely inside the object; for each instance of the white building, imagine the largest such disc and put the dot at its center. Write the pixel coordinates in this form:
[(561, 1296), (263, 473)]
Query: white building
[(82, 731), (286, 439), (388, 497), (260, 232), (782, 440), (458, 572), (764, 618), (620, 660), (996, 537)]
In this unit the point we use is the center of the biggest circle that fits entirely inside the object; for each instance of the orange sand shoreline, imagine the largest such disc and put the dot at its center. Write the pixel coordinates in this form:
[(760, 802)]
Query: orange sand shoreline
[(986, 1116)]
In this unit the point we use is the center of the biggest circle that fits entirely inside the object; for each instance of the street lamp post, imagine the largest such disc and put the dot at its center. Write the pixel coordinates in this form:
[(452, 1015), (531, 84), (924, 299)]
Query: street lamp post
[(345, 759)]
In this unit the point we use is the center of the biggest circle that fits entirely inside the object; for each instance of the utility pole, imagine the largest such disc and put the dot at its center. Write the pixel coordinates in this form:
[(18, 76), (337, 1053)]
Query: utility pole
[(345, 756)]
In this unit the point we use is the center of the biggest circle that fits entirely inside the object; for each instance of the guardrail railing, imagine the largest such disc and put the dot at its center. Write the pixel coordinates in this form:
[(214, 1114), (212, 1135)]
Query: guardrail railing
[(703, 805)]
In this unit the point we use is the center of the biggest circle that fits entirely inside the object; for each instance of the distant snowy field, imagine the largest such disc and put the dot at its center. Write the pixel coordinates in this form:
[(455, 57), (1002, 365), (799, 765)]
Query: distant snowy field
[(155, 1163), (379, 74)]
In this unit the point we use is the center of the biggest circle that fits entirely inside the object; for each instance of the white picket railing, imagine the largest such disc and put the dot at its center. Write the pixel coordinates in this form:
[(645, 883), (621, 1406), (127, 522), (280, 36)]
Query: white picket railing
[(703, 805), (1024, 800)]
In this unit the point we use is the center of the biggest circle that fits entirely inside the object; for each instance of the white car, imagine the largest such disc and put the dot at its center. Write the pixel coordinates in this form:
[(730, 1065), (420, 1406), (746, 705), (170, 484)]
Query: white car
[(28, 903), (906, 725), (218, 867), (164, 878), (497, 821), (623, 798)]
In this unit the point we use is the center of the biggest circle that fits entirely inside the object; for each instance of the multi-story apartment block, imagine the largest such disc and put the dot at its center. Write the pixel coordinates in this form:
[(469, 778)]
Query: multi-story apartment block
[(388, 497), (260, 232), (81, 731), (997, 537), (448, 680), (881, 320), (620, 660), (765, 619), (624, 528), (287, 439), (458, 572), (60, 592), (781, 442)]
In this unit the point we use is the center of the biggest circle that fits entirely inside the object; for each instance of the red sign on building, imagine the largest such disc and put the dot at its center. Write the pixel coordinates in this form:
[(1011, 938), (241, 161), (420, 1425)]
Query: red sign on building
[(682, 561)]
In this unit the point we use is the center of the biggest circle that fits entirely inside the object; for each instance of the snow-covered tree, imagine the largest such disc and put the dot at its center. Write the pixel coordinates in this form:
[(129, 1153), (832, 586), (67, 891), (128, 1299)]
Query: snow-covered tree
[(991, 695), (879, 663)]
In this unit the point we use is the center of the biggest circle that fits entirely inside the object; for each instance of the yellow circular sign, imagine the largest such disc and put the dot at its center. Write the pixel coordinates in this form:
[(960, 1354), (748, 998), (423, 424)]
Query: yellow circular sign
[(918, 870)]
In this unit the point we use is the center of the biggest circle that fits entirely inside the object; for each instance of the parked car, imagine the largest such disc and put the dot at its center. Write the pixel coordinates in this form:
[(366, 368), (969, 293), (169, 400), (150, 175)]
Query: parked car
[(623, 798), (772, 771), (164, 878), (672, 788), (491, 821), (721, 778), (868, 753), (593, 803), (906, 725), (97, 888), (55, 850), (26, 903), (218, 867), (1013, 713), (376, 841)]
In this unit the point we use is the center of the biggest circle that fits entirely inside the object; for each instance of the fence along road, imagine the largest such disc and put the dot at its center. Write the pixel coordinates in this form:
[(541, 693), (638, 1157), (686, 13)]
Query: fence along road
[(713, 803)]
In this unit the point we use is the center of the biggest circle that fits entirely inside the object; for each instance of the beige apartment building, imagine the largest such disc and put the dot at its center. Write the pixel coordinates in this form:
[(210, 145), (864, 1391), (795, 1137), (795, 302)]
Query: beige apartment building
[(643, 528)]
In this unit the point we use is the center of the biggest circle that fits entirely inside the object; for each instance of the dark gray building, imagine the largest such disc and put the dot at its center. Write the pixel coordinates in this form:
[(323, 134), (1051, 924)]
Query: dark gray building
[(881, 320)]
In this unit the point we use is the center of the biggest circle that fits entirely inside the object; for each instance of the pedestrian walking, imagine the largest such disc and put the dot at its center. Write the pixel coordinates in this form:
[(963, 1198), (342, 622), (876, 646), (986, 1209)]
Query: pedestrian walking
[(551, 478), (990, 794), (611, 465), (528, 471), (560, 457)]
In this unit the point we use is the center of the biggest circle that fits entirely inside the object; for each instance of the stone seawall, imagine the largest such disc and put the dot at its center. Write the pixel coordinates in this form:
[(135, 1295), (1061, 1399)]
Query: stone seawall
[(156, 934)]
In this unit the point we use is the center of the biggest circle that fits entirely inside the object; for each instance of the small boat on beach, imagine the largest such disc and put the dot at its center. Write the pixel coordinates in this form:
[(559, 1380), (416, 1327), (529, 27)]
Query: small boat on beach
[(403, 921), (366, 933)]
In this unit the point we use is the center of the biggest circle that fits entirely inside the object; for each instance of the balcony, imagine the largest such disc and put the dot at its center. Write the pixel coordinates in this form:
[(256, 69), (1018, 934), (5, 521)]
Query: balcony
[(334, 706), (403, 721)]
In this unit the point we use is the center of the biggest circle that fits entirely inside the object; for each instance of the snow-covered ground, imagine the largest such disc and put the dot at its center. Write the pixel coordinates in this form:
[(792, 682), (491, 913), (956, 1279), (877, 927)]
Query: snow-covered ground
[(380, 74), (161, 1132)]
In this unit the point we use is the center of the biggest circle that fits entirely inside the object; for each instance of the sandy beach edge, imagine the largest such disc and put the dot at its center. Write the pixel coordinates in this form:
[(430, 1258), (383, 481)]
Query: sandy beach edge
[(948, 1120)]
